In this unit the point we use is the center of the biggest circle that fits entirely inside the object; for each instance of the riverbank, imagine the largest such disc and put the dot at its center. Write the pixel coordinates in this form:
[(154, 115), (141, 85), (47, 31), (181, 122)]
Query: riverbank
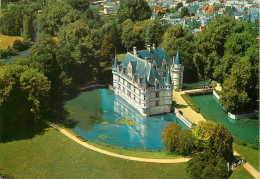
[(197, 117)]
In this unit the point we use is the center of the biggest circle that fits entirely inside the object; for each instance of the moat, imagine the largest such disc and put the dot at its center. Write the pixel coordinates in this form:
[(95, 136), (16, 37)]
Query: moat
[(97, 113)]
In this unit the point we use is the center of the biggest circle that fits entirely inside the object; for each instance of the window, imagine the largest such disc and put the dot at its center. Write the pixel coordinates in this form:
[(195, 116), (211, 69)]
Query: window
[(157, 94), (128, 85), (157, 103), (123, 89), (128, 93), (144, 97)]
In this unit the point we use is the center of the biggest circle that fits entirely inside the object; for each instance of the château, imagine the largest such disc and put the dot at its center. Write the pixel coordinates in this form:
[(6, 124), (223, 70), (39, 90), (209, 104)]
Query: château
[(143, 79)]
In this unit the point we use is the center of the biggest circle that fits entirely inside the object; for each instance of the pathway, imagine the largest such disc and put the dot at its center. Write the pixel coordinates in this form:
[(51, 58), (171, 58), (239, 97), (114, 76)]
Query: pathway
[(195, 117), (69, 135), (187, 111)]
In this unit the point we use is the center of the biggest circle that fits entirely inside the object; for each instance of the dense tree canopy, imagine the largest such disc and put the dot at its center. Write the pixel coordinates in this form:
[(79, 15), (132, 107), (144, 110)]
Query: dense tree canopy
[(206, 165), (177, 140), (214, 138), (17, 21), (136, 10), (23, 87), (55, 15), (177, 38)]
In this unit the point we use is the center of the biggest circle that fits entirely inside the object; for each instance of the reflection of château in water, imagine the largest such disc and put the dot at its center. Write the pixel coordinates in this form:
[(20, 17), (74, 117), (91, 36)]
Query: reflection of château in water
[(143, 79), (144, 131), (124, 109)]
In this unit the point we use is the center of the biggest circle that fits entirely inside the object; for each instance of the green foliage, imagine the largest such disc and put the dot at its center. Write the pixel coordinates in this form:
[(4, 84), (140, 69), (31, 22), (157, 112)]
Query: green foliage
[(184, 12), (81, 5), (127, 121), (206, 165), (214, 138), (190, 102), (8, 52), (177, 140), (170, 136), (55, 15), (20, 45), (176, 38), (18, 20), (79, 50), (234, 96), (23, 87), (136, 10)]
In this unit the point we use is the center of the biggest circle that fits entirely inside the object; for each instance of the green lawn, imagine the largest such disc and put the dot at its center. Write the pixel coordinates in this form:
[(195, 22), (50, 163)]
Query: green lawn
[(241, 173), (53, 155), (251, 155)]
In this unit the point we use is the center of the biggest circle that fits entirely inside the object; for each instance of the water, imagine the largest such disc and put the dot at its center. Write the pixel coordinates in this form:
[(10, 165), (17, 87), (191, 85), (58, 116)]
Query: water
[(92, 110), (244, 129), (22, 54)]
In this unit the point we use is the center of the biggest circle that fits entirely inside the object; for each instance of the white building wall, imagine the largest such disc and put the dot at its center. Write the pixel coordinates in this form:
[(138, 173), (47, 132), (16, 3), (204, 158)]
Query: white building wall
[(144, 100)]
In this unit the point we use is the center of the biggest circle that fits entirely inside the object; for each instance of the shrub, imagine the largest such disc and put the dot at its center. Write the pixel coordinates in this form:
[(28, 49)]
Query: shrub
[(191, 103), (8, 52), (170, 136), (177, 140), (20, 45), (206, 165)]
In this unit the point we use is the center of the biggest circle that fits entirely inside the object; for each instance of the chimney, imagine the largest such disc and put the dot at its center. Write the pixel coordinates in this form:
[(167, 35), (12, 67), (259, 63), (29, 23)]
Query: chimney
[(149, 48), (135, 51), (154, 47), (173, 59)]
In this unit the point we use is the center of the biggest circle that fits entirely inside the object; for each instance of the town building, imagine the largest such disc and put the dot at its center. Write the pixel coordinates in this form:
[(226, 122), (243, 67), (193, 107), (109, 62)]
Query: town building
[(143, 79)]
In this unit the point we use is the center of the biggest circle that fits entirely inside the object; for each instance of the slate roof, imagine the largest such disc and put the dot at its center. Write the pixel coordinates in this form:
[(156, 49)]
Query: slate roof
[(177, 58), (146, 73)]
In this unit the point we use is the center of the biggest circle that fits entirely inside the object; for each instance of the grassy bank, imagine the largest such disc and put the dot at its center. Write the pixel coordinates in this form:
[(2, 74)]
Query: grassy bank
[(6, 41), (241, 173), (53, 155), (251, 155)]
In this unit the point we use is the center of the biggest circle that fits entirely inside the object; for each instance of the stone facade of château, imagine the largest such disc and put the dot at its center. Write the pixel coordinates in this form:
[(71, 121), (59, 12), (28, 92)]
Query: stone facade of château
[(143, 79)]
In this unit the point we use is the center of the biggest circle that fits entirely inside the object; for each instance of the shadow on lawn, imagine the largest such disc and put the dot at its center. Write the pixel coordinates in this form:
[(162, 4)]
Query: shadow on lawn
[(15, 125)]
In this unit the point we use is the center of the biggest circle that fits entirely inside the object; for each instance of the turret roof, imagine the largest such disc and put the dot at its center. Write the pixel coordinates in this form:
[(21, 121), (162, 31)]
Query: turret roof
[(177, 58), (168, 78)]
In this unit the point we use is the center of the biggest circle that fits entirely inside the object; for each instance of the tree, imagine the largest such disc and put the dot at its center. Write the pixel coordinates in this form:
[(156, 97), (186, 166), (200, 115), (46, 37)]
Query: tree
[(55, 15), (176, 38), (170, 136), (82, 52), (17, 21), (12, 21), (184, 12), (136, 10), (23, 87), (81, 5), (210, 45), (206, 165), (234, 96), (214, 138), (107, 50), (177, 140), (129, 36)]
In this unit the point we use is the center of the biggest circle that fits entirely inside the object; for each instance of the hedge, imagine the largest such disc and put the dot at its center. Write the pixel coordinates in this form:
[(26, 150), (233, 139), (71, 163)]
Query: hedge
[(190, 102)]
